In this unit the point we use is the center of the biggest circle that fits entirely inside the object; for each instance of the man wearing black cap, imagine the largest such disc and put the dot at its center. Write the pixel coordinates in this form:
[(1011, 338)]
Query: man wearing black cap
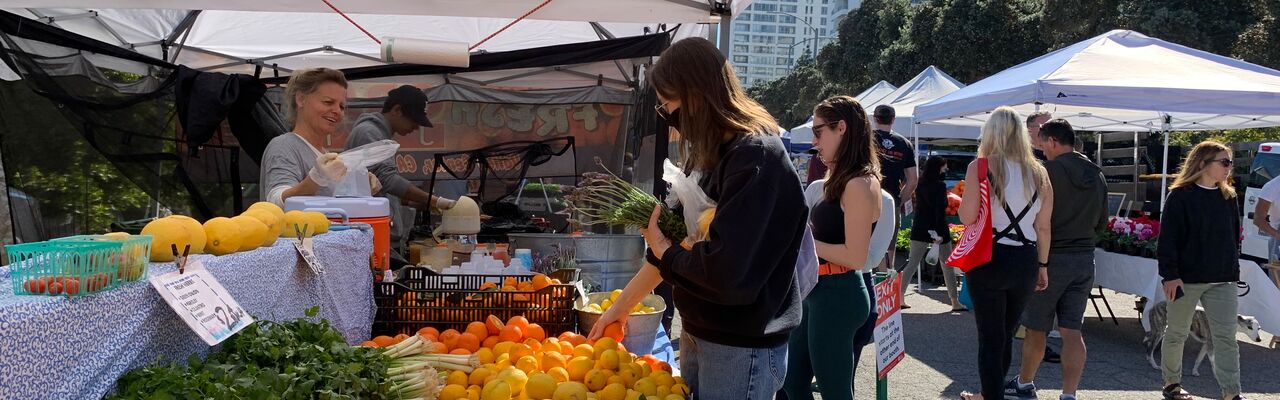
[(897, 161), (404, 111)]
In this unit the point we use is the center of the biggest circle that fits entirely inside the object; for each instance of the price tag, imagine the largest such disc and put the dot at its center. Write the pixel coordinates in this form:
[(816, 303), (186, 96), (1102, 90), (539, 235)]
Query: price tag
[(202, 302), (308, 253)]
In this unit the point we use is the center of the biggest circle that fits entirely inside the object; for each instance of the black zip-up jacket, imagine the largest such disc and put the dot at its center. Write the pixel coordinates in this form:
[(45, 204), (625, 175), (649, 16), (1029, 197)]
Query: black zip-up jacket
[(930, 212), (1199, 236), (739, 288)]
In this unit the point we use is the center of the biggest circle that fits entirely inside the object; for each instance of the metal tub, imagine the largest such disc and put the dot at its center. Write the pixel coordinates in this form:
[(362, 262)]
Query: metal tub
[(607, 261)]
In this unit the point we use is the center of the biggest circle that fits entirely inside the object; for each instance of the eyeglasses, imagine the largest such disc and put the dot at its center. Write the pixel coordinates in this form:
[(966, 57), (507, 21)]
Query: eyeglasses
[(661, 109), (817, 129), (1226, 162)]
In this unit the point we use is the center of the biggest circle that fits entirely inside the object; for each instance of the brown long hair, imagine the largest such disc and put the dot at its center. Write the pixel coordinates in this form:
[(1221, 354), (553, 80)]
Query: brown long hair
[(713, 103), (1193, 167), (856, 156)]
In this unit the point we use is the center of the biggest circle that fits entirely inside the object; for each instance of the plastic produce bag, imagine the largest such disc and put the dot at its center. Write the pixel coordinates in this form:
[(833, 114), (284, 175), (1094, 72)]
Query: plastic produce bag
[(358, 161), (932, 257), (698, 208)]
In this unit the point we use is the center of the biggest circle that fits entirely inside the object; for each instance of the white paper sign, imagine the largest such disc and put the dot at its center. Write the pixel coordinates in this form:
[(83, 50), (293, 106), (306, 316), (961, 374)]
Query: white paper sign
[(890, 347), (308, 253), (202, 302)]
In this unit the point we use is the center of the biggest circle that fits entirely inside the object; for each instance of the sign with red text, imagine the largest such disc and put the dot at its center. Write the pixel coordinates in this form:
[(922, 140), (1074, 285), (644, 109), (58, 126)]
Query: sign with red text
[(890, 347)]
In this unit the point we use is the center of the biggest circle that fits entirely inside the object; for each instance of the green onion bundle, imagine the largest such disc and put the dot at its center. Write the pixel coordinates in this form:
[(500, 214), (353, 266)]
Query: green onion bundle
[(604, 198)]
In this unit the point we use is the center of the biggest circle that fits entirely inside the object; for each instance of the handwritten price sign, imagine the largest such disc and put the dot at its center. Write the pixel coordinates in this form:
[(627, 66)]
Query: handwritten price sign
[(202, 303)]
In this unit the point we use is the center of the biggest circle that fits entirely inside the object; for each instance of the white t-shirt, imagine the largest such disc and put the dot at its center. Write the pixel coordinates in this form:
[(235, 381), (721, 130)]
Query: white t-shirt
[(1271, 193), (880, 236), (1017, 199)]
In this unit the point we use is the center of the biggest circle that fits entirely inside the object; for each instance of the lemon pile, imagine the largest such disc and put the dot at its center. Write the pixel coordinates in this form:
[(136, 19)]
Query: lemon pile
[(259, 226), (604, 305)]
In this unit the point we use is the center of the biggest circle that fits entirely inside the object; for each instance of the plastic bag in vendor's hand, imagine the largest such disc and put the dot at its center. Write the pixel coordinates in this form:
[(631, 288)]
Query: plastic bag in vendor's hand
[(698, 209), (358, 160)]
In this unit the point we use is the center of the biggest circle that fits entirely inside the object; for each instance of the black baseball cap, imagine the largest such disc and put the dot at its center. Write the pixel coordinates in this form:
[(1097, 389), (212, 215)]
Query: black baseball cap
[(412, 102)]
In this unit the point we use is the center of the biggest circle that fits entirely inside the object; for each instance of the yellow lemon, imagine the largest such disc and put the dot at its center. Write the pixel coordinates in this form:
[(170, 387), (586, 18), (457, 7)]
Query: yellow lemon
[(514, 377), (117, 236), (453, 392), (595, 380), (271, 208), (552, 359), (473, 392), (614, 391), (673, 396), (486, 355), (633, 395), (559, 374), (540, 386), (222, 236), (458, 378), (273, 225), (584, 350), (252, 232), (603, 344), (195, 230), (166, 233), (578, 368), (528, 364), (613, 296), (478, 376), (496, 389), (319, 223), (646, 387), (294, 219), (608, 360), (662, 378), (570, 391)]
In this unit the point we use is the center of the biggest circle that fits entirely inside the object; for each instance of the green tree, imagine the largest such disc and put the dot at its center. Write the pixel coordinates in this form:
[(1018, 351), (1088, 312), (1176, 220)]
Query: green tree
[(1258, 43), (1212, 26)]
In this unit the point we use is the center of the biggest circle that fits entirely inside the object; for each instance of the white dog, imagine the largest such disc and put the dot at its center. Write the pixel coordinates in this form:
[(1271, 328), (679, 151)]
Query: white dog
[(1199, 332)]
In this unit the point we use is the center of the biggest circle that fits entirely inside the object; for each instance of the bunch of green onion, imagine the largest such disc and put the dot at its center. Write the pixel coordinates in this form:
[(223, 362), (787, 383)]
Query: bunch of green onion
[(604, 198), (414, 375)]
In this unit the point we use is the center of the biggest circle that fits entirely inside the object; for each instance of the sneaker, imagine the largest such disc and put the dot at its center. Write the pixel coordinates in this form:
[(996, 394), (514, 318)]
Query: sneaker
[(1054, 334), (1051, 356), (1065, 396), (1014, 391)]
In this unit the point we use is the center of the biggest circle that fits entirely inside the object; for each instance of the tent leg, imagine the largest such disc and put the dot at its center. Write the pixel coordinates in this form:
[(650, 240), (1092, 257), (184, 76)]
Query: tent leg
[(1164, 161), (724, 34)]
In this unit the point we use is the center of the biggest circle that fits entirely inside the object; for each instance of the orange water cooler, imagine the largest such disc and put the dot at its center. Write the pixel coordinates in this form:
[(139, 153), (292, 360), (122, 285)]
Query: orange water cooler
[(375, 211)]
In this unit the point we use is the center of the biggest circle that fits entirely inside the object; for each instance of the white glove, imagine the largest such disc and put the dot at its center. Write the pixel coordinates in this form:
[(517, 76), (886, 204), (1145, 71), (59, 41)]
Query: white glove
[(329, 170), (444, 204), (375, 186)]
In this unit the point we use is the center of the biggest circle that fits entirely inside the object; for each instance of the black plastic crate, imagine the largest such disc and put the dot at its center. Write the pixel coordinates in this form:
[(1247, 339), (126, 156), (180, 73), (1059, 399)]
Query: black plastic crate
[(421, 298)]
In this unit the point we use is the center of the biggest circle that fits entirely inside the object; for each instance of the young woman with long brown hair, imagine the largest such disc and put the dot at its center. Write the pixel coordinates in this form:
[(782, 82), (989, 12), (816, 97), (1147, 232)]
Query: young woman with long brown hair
[(823, 344), (1021, 212), (1199, 252), (737, 291)]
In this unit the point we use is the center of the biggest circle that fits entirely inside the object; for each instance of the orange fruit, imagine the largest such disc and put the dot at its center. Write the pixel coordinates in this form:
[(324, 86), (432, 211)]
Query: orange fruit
[(576, 339), (536, 332), (429, 331), (384, 341), (460, 351), (450, 338), (556, 282), (566, 348), (519, 350), (540, 282), (510, 282), (488, 285), (511, 333), (489, 342), (525, 286), (493, 325), (469, 342), (552, 359), (614, 330), (401, 337), (478, 329), (535, 345), (437, 348), (560, 374), (519, 321), (369, 343)]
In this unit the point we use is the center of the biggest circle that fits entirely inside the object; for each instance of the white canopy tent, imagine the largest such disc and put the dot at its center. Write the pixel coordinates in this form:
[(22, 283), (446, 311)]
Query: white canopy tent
[(1123, 81), (875, 92), (926, 86), (241, 36)]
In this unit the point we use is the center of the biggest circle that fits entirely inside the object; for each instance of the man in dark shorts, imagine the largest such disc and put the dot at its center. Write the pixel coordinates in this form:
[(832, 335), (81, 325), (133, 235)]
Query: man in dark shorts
[(897, 164), (1080, 183)]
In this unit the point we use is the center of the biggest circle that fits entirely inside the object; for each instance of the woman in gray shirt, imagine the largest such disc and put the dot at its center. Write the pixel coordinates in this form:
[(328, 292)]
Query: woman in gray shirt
[(294, 163)]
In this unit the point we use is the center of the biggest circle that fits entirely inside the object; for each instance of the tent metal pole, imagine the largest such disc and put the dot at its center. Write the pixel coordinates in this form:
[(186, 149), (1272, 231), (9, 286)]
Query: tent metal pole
[(1164, 161), (725, 21)]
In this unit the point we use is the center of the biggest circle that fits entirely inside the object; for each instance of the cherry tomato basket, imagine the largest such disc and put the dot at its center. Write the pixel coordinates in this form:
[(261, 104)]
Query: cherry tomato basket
[(77, 265)]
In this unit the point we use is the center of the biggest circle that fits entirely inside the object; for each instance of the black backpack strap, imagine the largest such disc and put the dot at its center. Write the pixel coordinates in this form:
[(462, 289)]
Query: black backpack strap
[(1016, 220)]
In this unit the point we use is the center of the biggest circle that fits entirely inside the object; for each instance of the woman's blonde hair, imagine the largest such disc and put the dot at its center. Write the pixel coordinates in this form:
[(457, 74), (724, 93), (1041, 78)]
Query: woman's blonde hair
[(1194, 166), (1005, 142), (305, 82)]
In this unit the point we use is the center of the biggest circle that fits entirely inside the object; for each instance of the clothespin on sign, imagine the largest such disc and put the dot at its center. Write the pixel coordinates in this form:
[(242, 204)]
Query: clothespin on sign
[(180, 259), (302, 233)]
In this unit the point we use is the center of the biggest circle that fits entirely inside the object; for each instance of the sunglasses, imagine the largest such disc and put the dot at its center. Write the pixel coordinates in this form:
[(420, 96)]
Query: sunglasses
[(817, 129), (661, 109), (1226, 162)]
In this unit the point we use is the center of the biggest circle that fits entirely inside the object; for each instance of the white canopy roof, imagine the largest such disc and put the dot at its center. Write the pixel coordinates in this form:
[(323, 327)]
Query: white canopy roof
[(926, 86), (803, 133), (1123, 81), (875, 92), (235, 36)]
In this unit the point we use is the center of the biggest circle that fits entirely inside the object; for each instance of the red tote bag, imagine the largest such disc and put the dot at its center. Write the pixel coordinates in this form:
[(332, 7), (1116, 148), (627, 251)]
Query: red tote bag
[(974, 248)]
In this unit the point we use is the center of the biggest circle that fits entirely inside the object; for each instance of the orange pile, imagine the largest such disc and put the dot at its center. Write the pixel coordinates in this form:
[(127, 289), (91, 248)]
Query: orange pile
[(520, 361)]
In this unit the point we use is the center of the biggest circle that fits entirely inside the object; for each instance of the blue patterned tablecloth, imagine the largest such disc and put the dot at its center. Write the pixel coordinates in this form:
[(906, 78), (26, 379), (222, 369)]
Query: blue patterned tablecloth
[(76, 348)]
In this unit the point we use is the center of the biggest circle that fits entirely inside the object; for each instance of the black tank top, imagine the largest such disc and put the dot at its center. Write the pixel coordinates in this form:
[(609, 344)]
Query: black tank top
[(828, 224)]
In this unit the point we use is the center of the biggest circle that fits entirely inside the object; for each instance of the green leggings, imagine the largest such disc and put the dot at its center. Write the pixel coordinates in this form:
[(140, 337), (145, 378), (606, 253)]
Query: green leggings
[(833, 312)]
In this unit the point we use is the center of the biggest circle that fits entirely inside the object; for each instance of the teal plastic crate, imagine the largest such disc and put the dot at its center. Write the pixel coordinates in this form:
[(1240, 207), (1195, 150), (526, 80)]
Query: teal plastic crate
[(131, 261), (75, 266)]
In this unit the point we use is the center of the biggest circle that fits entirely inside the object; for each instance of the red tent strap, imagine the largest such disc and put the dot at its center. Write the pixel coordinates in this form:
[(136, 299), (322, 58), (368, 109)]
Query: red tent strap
[(535, 9), (353, 22)]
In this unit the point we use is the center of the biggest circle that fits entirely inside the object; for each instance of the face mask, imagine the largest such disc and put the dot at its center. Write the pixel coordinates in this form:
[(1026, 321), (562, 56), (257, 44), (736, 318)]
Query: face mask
[(673, 118)]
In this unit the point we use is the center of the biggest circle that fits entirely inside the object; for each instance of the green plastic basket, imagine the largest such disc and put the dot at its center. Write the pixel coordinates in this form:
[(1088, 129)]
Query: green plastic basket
[(74, 266), (134, 252)]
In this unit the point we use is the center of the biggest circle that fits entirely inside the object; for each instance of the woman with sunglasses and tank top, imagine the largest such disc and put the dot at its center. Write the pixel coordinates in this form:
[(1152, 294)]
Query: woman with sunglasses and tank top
[(823, 345)]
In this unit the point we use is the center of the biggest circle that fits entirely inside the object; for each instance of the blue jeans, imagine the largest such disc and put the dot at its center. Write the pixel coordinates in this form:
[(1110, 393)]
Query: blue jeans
[(735, 373)]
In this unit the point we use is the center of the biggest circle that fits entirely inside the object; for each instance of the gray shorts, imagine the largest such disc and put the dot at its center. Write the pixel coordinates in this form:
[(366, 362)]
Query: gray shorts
[(1070, 281)]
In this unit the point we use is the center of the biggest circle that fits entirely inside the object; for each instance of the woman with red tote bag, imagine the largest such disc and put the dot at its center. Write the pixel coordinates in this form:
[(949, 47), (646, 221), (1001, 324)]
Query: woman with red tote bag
[(1021, 204)]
